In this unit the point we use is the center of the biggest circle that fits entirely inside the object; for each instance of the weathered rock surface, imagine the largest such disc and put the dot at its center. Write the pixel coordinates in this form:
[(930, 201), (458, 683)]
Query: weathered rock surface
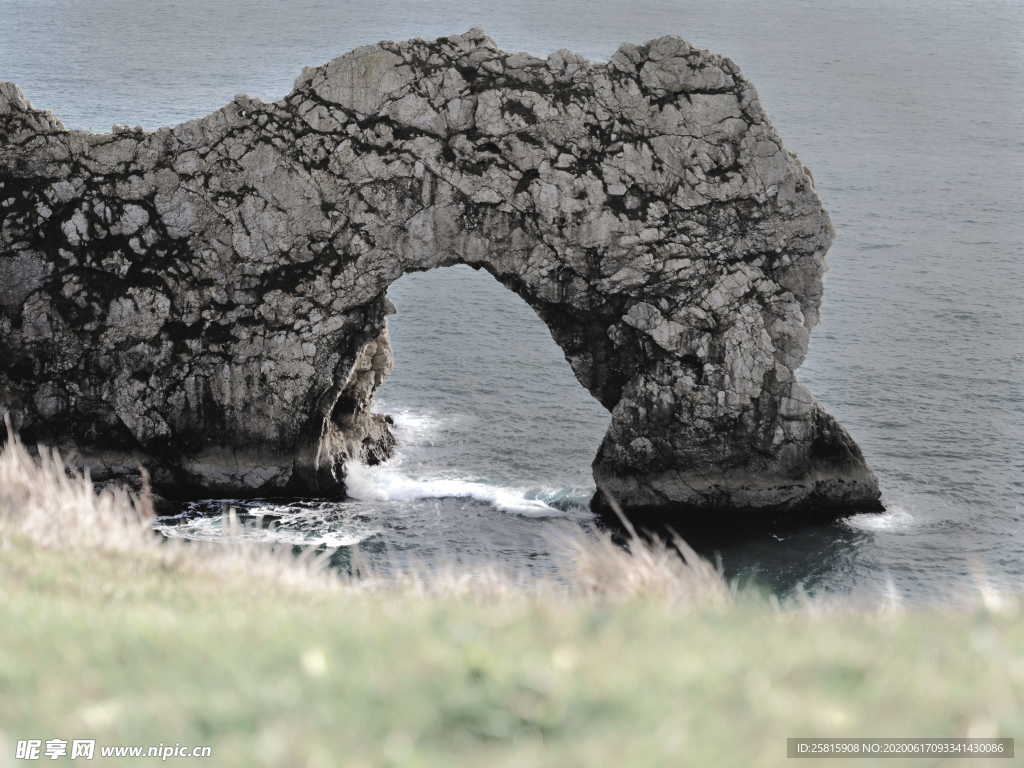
[(210, 299)]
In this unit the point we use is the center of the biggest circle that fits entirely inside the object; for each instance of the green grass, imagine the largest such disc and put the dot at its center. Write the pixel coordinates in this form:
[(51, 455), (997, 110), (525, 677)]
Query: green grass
[(105, 647), (636, 659)]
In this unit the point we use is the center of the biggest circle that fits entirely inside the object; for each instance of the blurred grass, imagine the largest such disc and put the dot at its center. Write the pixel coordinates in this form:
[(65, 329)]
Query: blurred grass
[(105, 647), (636, 659)]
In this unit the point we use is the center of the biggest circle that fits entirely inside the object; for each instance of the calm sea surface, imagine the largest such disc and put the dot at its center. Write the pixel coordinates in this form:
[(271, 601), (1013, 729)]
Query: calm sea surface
[(911, 115)]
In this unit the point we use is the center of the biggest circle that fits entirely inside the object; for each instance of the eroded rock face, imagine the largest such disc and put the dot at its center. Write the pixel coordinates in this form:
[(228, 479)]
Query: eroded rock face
[(209, 299)]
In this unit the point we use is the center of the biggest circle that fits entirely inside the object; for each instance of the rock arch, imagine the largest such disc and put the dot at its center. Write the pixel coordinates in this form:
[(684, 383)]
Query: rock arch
[(209, 299)]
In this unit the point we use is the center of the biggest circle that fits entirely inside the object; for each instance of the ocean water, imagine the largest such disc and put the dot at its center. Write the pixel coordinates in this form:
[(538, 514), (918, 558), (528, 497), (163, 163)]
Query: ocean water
[(910, 114)]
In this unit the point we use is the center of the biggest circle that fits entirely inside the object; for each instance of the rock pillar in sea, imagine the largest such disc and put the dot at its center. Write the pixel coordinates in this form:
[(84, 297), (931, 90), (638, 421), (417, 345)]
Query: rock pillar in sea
[(209, 300)]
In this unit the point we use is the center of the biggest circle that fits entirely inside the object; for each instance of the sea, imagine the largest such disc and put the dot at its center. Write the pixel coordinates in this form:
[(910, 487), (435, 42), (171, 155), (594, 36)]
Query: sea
[(910, 114)]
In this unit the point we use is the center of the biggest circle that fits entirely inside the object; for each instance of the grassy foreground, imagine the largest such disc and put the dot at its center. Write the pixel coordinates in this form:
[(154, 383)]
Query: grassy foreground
[(638, 660)]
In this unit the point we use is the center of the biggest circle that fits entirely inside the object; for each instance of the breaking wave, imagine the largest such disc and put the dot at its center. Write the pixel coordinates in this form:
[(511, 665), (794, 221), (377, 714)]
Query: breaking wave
[(894, 519), (384, 483), (415, 427), (307, 524)]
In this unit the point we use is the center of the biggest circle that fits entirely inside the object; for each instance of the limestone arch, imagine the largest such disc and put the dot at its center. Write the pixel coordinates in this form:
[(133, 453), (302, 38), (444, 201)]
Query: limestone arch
[(210, 299)]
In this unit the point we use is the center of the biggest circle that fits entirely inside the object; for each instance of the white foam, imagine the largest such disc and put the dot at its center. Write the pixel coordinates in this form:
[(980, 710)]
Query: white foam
[(214, 528), (894, 519), (388, 484), (414, 427)]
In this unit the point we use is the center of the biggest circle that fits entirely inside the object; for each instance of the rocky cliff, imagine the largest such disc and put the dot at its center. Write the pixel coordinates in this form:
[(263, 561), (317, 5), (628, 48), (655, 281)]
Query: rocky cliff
[(209, 300)]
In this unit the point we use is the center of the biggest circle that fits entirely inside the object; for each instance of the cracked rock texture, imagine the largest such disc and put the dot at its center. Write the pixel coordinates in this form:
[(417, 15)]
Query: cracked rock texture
[(209, 300)]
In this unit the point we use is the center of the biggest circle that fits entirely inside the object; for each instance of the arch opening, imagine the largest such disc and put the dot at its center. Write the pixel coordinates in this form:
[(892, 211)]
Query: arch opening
[(481, 392)]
